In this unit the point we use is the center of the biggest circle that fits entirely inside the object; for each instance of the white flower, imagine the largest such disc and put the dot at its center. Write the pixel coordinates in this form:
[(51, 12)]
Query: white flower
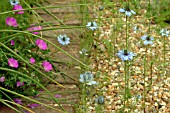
[(147, 39), (164, 32), (87, 78), (63, 39), (127, 11), (14, 2), (125, 55), (92, 25)]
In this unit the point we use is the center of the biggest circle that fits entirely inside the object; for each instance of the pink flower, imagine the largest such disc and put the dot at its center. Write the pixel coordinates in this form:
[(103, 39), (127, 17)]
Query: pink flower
[(2, 79), (41, 90), (57, 96), (19, 83), (41, 44), (18, 7), (12, 42), (33, 28), (10, 21), (47, 66), (32, 60), (18, 101), (13, 63), (33, 105)]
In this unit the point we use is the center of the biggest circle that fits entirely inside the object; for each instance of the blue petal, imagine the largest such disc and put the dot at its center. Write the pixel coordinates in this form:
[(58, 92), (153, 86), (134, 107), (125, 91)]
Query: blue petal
[(128, 13), (93, 82), (81, 80), (144, 37), (133, 12), (151, 38), (122, 10)]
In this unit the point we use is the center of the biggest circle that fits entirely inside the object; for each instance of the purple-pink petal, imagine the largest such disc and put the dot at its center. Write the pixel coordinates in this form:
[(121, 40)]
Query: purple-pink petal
[(57, 96), (37, 28), (18, 7), (2, 79), (13, 63), (33, 28), (41, 44), (32, 60), (10, 21), (18, 101), (47, 66), (41, 90), (33, 105), (19, 83), (12, 42)]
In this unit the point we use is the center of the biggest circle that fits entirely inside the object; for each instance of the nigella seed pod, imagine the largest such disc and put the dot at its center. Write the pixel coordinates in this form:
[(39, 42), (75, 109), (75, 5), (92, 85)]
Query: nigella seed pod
[(31, 5), (87, 92), (101, 8), (100, 100)]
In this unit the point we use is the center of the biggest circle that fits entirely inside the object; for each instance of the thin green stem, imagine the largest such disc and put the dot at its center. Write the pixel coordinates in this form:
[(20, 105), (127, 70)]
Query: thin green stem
[(151, 73), (18, 56), (45, 7), (85, 97), (144, 88), (149, 10), (12, 92), (164, 47), (127, 35), (10, 106), (125, 90), (19, 73), (45, 41)]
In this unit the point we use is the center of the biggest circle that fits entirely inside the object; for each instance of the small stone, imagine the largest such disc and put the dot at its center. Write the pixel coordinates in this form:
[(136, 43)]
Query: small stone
[(102, 47), (113, 73), (115, 84), (109, 107), (156, 104), (114, 67), (121, 70), (159, 95)]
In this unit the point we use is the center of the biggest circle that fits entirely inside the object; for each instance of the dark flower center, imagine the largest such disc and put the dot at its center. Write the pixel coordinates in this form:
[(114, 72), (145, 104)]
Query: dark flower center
[(64, 39), (148, 38), (127, 8), (125, 52), (137, 27), (92, 24)]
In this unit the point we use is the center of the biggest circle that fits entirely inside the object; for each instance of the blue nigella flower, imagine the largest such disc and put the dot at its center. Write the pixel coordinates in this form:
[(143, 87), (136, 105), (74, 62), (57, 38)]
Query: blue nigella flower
[(127, 11), (100, 100), (125, 55), (164, 32), (63, 39), (147, 39), (87, 78), (14, 2), (92, 25)]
